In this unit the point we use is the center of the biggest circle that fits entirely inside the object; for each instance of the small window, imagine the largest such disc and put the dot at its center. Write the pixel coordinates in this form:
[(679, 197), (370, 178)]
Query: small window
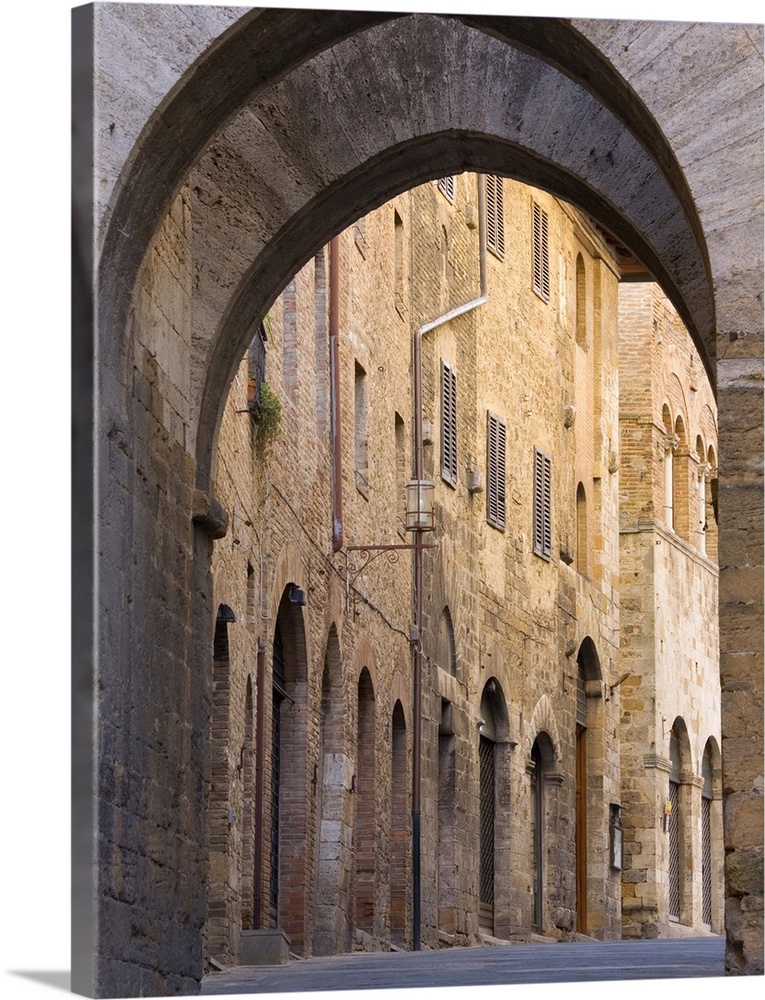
[(448, 424), (360, 431), (495, 471), (541, 254), (542, 494), (495, 216), (446, 187)]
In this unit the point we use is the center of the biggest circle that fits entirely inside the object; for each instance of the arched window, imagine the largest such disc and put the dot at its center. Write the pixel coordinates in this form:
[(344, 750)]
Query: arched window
[(702, 494), (447, 651), (681, 482), (581, 302), (670, 443), (711, 522), (581, 530)]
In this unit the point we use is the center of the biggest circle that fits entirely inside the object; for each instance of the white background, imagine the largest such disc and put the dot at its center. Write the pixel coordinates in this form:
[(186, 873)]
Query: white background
[(35, 401)]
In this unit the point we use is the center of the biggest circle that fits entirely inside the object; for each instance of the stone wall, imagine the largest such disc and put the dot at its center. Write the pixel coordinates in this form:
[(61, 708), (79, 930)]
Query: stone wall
[(669, 642)]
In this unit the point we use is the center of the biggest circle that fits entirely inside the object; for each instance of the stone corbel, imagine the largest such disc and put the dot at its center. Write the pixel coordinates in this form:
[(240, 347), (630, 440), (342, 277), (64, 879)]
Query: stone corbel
[(208, 513)]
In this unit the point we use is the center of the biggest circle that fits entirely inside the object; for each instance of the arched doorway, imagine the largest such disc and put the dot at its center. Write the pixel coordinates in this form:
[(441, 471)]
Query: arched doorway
[(493, 775), (591, 809), (542, 765), (331, 894), (678, 840), (284, 899), (364, 831)]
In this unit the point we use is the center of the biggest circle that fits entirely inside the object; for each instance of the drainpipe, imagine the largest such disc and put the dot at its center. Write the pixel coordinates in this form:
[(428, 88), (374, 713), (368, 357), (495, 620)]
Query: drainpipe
[(334, 394), (260, 756), (419, 473)]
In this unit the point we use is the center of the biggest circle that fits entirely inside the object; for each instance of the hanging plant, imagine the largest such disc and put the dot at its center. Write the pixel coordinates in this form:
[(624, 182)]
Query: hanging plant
[(269, 420)]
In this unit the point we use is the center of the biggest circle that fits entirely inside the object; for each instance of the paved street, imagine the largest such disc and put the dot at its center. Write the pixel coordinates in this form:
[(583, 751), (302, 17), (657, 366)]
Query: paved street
[(581, 961)]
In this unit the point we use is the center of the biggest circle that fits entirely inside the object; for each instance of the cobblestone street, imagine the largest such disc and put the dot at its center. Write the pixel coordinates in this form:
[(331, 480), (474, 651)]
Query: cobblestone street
[(501, 965)]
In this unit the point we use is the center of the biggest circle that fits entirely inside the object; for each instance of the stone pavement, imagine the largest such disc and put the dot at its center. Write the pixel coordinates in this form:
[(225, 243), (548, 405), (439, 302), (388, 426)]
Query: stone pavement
[(507, 964)]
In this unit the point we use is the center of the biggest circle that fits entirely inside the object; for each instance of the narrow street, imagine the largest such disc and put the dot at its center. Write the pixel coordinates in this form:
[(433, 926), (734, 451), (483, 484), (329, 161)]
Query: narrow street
[(491, 966)]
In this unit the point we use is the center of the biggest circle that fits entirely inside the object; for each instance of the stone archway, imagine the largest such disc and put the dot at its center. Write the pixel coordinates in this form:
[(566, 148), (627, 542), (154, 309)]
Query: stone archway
[(194, 243)]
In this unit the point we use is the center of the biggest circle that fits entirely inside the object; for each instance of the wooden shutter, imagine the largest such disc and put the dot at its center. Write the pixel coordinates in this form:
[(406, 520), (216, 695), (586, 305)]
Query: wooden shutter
[(495, 216), (446, 186), (448, 424), (542, 496), (495, 473), (541, 254)]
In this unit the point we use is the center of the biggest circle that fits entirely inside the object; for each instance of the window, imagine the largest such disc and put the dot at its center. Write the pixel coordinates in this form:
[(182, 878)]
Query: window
[(581, 302), (541, 254), (448, 424), (399, 281), (446, 187), (495, 216), (360, 431), (495, 471), (542, 492)]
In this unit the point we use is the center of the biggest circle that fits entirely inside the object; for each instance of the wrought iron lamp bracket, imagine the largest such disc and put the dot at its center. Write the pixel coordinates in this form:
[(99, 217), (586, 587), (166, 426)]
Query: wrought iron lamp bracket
[(368, 554)]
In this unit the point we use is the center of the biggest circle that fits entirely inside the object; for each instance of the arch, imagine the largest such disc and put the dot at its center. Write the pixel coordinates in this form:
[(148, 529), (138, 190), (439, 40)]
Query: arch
[(582, 562), (678, 844), (221, 892), (331, 931), (447, 650), (590, 836), (215, 87), (246, 769), (219, 83), (493, 845), (507, 145), (712, 848), (670, 444), (581, 302), (365, 827), (543, 721), (399, 830), (285, 897), (542, 764)]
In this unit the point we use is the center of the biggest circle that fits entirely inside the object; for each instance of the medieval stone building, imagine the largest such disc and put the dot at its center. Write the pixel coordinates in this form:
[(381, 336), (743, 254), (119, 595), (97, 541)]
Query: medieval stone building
[(479, 323), (669, 649), (220, 150)]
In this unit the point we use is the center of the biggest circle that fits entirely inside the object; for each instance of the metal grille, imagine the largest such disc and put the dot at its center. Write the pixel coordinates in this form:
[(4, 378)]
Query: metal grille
[(674, 852), (706, 860), (581, 699), (486, 859)]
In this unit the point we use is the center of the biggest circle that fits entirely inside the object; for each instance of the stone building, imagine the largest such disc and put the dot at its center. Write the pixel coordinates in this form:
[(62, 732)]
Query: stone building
[(498, 306), (669, 650), (222, 148)]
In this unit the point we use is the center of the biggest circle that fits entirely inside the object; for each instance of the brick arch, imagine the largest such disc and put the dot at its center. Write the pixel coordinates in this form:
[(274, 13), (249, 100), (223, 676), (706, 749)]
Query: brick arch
[(543, 721)]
